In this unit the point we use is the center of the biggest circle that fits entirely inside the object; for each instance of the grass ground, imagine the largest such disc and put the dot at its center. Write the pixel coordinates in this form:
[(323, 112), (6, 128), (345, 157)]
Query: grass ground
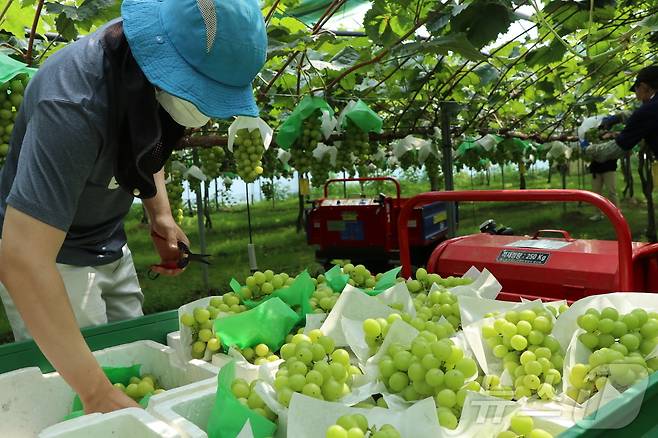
[(281, 248)]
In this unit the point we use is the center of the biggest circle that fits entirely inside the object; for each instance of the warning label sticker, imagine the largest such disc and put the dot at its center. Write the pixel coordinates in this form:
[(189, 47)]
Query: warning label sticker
[(539, 244), (524, 257)]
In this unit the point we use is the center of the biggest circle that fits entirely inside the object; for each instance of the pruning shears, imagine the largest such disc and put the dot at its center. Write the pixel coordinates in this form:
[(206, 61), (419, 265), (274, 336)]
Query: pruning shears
[(185, 257)]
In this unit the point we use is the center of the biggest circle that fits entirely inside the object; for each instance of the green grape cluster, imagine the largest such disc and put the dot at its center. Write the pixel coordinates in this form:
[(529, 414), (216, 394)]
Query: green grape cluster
[(323, 298), (620, 345), (175, 194), (246, 395), (302, 151), (140, 387), (11, 98), (212, 161), (259, 284), (523, 341), (593, 135), (433, 167), (273, 167), (356, 426), (248, 149), (357, 142), (320, 170), (523, 426), (408, 160), (344, 160), (431, 367), (312, 366), (424, 281), (360, 276), (200, 321), (258, 355)]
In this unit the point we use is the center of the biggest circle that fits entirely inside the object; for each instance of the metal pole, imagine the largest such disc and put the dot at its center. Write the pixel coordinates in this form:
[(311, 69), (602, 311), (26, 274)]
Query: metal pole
[(447, 168), (202, 228), (251, 249)]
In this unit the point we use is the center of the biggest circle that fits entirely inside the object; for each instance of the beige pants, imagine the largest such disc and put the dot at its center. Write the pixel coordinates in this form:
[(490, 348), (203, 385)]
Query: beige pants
[(98, 294), (609, 180)]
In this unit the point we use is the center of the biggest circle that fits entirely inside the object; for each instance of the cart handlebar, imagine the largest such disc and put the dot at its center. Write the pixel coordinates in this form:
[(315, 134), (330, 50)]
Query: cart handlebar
[(374, 178), (620, 225)]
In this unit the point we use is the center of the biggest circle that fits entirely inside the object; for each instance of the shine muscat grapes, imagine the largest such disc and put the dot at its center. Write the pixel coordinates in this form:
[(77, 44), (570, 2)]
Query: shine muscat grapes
[(323, 298), (356, 426), (260, 284), (246, 395), (200, 321), (531, 355), (620, 345), (424, 281), (11, 98), (523, 426), (375, 330), (431, 368), (301, 153), (140, 387), (259, 354), (312, 366), (360, 276), (248, 149)]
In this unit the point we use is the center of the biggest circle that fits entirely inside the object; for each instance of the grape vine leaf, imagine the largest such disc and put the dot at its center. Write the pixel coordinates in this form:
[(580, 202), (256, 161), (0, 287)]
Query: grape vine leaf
[(482, 21)]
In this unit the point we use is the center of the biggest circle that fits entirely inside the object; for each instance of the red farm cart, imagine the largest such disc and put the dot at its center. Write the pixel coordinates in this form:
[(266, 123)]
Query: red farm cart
[(537, 266), (364, 230)]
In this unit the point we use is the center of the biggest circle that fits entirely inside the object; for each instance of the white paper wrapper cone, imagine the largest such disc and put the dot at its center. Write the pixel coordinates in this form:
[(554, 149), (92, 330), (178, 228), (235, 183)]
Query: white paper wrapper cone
[(314, 321), (355, 337), (244, 369), (352, 304), (322, 149), (624, 302), (311, 418), (283, 156), (398, 294), (329, 124), (399, 333), (474, 310), (250, 123), (186, 333), (343, 114), (483, 416)]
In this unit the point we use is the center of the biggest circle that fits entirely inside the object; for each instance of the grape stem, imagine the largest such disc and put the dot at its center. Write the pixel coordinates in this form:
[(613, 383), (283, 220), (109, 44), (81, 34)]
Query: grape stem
[(30, 45)]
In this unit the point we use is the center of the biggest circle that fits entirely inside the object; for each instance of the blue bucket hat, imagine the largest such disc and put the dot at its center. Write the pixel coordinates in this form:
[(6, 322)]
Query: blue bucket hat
[(207, 52)]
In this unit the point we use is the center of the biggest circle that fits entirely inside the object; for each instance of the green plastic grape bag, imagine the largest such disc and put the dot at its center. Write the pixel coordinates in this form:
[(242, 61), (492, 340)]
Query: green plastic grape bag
[(297, 295), (115, 375), (363, 117), (336, 279), (387, 280), (292, 127), (268, 323), (229, 416), (10, 68)]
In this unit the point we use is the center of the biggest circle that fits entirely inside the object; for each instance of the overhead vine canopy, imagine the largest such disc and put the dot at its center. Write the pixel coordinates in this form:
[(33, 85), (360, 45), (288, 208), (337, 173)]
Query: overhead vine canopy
[(568, 59)]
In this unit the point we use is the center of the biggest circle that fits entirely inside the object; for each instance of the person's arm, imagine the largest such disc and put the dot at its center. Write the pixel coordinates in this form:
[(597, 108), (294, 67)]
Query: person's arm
[(28, 270), (163, 224), (639, 125)]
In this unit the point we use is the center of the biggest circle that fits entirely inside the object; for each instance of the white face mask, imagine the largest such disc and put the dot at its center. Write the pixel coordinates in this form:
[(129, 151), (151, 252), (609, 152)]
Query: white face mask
[(182, 111)]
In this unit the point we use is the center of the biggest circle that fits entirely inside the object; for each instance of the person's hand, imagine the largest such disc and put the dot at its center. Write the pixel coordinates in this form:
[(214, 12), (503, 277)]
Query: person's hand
[(108, 399), (166, 234), (608, 136)]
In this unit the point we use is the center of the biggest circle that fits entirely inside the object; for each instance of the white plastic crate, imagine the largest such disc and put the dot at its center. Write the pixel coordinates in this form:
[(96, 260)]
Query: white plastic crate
[(31, 401), (188, 414), (125, 423)]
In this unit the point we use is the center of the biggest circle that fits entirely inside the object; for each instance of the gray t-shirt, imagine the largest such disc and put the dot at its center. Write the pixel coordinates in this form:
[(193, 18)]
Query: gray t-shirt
[(60, 164)]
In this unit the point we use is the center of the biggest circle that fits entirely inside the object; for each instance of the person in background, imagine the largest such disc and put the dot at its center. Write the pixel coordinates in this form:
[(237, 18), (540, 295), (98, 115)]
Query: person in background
[(604, 175), (99, 120)]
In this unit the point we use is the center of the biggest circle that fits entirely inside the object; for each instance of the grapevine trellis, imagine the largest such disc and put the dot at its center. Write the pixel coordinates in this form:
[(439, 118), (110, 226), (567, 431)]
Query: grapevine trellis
[(559, 62)]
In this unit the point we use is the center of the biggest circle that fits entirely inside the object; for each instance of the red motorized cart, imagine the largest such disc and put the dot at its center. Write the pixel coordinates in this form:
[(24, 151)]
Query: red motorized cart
[(364, 230), (537, 266)]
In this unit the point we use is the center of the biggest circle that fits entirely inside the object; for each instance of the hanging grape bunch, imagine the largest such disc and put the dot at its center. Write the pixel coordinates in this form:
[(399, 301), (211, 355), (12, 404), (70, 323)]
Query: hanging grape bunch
[(409, 159), (344, 160), (175, 194), (248, 151), (302, 151), (320, 170), (212, 161), (356, 141), (273, 167), (11, 98)]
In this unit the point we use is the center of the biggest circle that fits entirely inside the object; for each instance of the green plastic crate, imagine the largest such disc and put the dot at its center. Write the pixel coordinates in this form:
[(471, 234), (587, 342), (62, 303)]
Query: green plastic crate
[(153, 327), (606, 421)]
